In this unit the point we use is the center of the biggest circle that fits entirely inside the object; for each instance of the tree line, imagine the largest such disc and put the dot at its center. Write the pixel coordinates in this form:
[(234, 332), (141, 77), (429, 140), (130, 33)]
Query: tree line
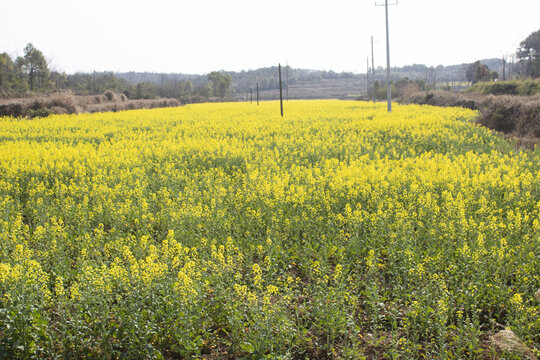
[(30, 73), (527, 63)]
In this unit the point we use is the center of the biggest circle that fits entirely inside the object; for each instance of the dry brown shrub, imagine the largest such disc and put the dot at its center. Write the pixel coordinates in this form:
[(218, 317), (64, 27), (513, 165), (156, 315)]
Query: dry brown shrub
[(515, 115), (110, 96), (67, 101), (58, 110), (37, 103), (12, 109)]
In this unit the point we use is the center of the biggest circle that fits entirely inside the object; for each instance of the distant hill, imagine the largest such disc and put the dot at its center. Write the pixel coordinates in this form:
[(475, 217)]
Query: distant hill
[(157, 78), (245, 78), (18, 77), (309, 83)]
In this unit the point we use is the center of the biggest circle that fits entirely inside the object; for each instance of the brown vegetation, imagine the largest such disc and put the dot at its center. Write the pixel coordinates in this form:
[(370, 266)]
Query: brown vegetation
[(516, 116), (67, 103)]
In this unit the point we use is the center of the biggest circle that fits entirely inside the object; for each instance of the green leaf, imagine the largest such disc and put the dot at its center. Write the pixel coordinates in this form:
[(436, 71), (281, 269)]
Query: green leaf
[(247, 347)]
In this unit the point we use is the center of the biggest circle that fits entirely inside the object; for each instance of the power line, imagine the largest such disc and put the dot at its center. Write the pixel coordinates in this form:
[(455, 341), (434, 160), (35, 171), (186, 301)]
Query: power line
[(329, 44)]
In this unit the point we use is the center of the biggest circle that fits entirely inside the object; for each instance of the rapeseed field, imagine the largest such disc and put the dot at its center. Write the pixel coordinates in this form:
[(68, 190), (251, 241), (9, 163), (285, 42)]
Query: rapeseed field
[(224, 231)]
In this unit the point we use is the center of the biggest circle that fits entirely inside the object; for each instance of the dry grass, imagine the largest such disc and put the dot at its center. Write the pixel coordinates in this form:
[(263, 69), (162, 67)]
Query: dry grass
[(68, 103)]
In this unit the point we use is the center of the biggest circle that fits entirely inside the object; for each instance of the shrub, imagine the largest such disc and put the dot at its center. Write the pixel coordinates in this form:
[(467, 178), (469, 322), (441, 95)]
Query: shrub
[(499, 114), (510, 87), (109, 95), (529, 87), (64, 100), (41, 112), (13, 109)]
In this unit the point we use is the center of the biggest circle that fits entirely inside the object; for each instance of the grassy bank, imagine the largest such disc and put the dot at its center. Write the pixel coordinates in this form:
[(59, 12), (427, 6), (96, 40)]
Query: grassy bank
[(510, 87)]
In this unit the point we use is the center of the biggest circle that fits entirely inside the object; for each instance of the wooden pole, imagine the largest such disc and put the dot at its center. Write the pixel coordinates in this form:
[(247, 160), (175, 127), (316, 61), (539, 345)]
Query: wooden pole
[(257, 94), (280, 91)]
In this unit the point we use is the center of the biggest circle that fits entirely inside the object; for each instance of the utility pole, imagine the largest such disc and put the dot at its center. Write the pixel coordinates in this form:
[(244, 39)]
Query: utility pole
[(287, 77), (280, 91), (257, 94), (504, 68), (372, 73), (510, 68), (388, 81), (367, 79), (532, 56)]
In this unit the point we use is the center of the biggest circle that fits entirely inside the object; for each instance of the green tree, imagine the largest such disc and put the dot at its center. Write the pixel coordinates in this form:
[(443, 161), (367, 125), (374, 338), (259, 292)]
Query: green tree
[(206, 91), (12, 80), (104, 82), (5, 62), (529, 53), (186, 91), (478, 72), (35, 65), (58, 80), (220, 83), (140, 91)]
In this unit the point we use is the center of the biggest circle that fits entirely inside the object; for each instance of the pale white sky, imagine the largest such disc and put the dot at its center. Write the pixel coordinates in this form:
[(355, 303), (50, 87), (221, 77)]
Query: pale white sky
[(199, 36)]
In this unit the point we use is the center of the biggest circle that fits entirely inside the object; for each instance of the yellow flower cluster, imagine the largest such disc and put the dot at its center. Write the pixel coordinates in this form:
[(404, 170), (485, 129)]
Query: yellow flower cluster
[(337, 213)]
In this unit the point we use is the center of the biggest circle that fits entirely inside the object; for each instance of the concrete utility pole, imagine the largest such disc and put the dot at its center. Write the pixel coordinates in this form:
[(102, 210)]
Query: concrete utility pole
[(510, 68), (372, 73), (287, 77), (532, 56), (280, 91), (388, 81), (504, 67), (367, 79)]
